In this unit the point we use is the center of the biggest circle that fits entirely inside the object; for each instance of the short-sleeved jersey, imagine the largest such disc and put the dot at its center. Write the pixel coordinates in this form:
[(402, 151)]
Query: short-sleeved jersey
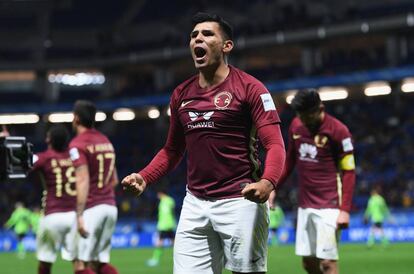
[(317, 160), (166, 215), (219, 125), (58, 175), (94, 149), (19, 220)]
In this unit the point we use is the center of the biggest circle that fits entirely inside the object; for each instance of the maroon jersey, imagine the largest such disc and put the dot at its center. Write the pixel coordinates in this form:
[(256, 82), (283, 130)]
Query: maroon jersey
[(219, 125), (317, 159), (58, 176), (93, 149)]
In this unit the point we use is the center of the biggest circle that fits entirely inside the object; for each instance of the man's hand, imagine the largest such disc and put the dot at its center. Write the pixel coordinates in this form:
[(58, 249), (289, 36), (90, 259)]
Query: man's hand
[(272, 198), (4, 132), (134, 183), (343, 220), (258, 192), (81, 227)]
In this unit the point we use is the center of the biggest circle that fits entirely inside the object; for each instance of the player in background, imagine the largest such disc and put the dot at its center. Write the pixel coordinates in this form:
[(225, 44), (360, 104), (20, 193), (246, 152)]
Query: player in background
[(321, 148), (165, 226), (376, 213), (216, 117), (56, 231), (19, 221), (93, 156), (276, 217), (35, 216)]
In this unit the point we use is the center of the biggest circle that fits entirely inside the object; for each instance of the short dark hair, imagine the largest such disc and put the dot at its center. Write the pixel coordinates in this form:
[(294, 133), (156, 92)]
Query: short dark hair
[(85, 110), (225, 27), (58, 137), (306, 100)]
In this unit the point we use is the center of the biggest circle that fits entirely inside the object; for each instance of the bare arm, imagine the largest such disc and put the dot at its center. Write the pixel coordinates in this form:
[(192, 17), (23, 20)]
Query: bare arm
[(82, 190)]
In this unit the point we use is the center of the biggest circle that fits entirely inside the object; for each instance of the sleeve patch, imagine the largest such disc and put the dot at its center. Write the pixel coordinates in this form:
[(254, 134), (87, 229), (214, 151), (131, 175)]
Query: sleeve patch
[(347, 162), (347, 145), (35, 158), (267, 101), (74, 154)]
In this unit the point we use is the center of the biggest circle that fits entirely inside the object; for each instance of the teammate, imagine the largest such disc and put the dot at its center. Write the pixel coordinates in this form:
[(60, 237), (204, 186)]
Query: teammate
[(216, 116), (166, 225), (376, 212), (57, 174), (94, 159), (322, 149), (276, 217), (20, 222)]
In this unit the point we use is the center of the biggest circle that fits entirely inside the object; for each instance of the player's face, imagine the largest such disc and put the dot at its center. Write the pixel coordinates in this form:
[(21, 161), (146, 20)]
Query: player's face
[(208, 45), (311, 119)]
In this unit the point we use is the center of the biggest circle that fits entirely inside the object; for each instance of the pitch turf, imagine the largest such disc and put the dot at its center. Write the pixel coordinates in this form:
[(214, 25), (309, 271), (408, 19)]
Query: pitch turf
[(355, 259)]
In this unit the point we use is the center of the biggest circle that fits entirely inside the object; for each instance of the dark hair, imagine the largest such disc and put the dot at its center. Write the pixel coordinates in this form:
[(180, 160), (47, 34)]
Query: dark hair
[(306, 100), (58, 137), (85, 110), (225, 27)]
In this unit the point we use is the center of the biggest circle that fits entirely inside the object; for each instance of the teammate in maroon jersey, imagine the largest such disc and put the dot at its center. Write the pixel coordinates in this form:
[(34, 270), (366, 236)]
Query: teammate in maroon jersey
[(56, 227), (321, 148), (94, 159), (216, 116)]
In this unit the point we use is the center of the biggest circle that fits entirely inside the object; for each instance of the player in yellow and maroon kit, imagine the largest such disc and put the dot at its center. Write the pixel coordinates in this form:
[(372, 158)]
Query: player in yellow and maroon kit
[(321, 148), (94, 159)]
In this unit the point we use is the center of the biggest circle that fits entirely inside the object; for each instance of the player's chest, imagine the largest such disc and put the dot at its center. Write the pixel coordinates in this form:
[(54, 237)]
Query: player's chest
[(312, 148), (212, 111)]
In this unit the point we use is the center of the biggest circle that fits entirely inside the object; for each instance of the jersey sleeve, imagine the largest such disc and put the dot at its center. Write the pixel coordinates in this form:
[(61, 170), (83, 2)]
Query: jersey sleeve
[(262, 107), (38, 161), (78, 154)]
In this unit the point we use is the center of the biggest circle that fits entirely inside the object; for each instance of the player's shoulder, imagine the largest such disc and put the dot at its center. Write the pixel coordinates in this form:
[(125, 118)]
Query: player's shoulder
[(336, 125), (246, 78), (185, 86)]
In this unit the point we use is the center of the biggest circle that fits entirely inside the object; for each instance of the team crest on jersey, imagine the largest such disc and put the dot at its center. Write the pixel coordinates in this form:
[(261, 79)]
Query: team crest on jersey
[(222, 100), (320, 141), (308, 152)]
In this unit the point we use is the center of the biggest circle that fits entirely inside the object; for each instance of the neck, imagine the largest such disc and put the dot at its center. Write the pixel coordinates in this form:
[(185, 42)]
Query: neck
[(81, 129), (213, 75)]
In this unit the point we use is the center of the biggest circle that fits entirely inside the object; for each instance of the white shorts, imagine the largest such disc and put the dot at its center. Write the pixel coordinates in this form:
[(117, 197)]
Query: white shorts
[(230, 232), (316, 233), (100, 223), (56, 231)]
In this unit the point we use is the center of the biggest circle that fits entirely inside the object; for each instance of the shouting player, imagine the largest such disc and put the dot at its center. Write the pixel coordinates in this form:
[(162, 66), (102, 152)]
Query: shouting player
[(56, 228), (216, 116), (321, 148), (94, 159)]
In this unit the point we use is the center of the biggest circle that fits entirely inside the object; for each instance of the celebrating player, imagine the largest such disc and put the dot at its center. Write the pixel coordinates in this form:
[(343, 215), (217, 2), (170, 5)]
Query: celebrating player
[(216, 116), (57, 227), (94, 159), (322, 149)]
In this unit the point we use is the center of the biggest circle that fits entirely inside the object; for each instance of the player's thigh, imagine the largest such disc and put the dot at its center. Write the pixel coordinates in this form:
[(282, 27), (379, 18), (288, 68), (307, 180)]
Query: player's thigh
[(327, 236), (197, 247), (243, 228), (108, 227), (305, 244)]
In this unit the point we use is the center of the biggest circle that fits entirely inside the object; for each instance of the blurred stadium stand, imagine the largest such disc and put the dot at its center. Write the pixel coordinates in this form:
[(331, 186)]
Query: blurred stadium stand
[(51, 50)]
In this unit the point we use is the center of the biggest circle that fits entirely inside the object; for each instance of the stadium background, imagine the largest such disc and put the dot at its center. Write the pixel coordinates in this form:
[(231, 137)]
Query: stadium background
[(127, 56)]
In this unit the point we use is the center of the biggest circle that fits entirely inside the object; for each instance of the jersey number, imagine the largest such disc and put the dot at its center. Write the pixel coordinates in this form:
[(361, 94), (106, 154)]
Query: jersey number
[(70, 179), (101, 159)]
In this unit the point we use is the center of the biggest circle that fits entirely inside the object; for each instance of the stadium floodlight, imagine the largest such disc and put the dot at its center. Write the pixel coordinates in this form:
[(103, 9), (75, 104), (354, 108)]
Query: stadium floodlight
[(77, 79), (61, 117), (377, 88), (153, 113), (123, 114), (10, 119), (168, 111), (333, 93), (289, 95), (100, 116), (408, 85)]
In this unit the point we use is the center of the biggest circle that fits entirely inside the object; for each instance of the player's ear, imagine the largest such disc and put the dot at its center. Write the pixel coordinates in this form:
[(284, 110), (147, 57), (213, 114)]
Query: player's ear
[(227, 46)]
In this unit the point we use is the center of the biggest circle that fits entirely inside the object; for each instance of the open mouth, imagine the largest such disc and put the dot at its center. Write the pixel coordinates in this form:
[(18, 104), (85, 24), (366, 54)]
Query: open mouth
[(199, 52)]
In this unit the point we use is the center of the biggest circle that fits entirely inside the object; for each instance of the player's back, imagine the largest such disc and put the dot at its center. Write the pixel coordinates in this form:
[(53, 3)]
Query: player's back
[(58, 177), (92, 148)]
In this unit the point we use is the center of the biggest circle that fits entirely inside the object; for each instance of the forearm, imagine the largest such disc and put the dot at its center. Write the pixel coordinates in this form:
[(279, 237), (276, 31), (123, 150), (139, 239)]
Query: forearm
[(82, 189), (348, 183)]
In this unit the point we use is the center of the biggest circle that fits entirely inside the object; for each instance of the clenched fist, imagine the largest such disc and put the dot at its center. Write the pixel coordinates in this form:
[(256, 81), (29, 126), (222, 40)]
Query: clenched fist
[(134, 183)]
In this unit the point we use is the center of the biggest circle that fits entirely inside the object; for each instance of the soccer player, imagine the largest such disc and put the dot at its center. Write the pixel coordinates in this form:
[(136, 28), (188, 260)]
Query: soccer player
[(216, 116), (20, 222), (376, 212), (276, 217), (166, 225), (321, 148), (57, 227), (94, 159)]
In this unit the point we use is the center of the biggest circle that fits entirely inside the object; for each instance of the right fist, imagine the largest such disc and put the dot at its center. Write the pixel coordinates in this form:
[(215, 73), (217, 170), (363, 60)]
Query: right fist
[(134, 183)]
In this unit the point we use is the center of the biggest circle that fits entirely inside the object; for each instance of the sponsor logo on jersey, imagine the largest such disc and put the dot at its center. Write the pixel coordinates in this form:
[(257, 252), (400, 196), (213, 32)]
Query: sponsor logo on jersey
[(200, 119), (222, 100), (267, 101), (308, 152)]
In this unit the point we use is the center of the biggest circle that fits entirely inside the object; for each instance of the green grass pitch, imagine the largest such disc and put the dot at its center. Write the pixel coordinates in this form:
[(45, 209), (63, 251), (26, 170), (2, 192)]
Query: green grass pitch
[(354, 259)]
